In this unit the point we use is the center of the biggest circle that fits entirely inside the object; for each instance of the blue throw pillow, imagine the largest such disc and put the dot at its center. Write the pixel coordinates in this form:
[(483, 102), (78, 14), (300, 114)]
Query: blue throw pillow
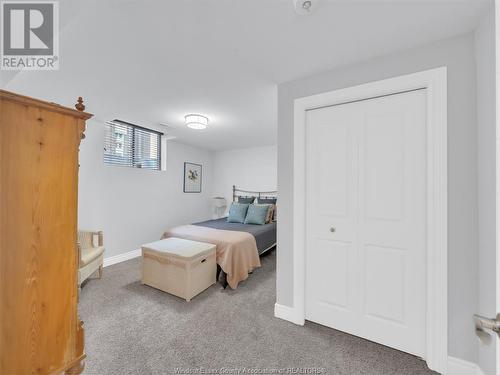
[(237, 212), (257, 214)]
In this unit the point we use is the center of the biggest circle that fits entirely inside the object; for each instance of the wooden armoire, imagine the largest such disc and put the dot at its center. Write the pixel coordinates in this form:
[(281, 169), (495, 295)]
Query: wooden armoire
[(40, 331)]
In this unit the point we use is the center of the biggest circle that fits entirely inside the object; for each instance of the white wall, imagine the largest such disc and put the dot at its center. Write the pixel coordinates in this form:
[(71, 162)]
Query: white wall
[(458, 55), (486, 124), (248, 169), (134, 206)]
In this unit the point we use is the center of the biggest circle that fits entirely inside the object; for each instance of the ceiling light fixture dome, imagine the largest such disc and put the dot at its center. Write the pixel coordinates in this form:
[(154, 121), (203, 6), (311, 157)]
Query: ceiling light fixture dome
[(195, 121)]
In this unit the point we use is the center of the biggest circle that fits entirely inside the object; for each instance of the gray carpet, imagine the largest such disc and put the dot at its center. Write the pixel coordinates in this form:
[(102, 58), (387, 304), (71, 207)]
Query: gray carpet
[(134, 329)]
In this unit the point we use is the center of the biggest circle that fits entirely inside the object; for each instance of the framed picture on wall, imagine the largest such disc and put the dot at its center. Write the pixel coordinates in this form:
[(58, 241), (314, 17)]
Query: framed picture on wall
[(192, 178)]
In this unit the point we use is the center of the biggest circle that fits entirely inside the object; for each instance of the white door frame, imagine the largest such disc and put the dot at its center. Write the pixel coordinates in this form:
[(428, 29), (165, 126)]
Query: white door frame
[(435, 83)]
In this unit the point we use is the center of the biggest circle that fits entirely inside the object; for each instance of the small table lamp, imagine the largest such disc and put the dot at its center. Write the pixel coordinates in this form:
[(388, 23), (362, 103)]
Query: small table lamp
[(220, 205)]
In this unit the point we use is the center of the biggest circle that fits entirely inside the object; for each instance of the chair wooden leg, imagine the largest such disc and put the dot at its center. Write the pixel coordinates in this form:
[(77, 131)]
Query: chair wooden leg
[(100, 271)]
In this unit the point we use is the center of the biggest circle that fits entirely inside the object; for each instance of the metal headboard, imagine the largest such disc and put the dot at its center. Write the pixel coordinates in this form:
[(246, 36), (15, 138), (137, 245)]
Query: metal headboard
[(256, 194)]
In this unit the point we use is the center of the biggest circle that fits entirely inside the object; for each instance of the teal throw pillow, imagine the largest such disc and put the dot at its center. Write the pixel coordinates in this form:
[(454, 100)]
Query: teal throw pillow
[(257, 214), (237, 212)]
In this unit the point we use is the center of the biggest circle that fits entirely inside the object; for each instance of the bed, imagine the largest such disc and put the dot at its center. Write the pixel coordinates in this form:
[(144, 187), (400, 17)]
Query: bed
[(265, 235), (238, 245)]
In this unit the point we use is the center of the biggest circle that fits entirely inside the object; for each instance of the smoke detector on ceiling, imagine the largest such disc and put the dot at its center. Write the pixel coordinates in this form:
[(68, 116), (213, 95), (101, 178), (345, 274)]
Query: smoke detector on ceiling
[(305, 7)]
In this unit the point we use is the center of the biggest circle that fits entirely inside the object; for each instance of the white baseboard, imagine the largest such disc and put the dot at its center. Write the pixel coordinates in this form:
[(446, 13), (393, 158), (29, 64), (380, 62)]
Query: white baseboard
[(121, 257), (457, 366), (287, 313)]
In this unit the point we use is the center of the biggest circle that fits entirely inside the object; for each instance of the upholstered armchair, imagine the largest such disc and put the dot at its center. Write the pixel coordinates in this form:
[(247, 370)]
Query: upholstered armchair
[(90, 256)]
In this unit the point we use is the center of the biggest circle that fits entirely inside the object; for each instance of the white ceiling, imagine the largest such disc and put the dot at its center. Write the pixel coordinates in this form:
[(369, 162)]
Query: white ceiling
[(151, 61)]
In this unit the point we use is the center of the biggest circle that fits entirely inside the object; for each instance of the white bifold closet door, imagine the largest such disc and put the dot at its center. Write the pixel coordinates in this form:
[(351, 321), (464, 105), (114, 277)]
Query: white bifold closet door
[(366, 219)]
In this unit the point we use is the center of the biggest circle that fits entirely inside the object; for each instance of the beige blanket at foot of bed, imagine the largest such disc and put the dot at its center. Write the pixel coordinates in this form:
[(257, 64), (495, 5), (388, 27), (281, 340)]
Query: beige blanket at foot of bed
[(237, 252)]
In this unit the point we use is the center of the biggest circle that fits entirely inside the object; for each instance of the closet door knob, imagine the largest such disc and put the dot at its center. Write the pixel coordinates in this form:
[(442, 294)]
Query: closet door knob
[(332, 229)]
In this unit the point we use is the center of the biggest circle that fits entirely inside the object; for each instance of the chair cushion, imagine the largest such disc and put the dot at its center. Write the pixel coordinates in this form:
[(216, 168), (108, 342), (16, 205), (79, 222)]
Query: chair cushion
[(90, 254)]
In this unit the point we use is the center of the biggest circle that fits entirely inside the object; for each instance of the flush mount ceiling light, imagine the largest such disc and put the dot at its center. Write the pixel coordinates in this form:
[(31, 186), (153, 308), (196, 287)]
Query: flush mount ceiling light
[(197, 122), (304, 7)]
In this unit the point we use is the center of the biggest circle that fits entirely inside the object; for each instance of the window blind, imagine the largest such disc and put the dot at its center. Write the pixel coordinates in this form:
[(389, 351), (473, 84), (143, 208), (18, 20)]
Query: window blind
[(131, 145)]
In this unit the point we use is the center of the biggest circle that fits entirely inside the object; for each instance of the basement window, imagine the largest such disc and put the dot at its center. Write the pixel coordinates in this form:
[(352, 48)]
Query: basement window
[(130, 145)]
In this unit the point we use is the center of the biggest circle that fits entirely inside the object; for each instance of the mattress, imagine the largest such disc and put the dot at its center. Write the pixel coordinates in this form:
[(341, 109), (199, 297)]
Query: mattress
[(265, 235)]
